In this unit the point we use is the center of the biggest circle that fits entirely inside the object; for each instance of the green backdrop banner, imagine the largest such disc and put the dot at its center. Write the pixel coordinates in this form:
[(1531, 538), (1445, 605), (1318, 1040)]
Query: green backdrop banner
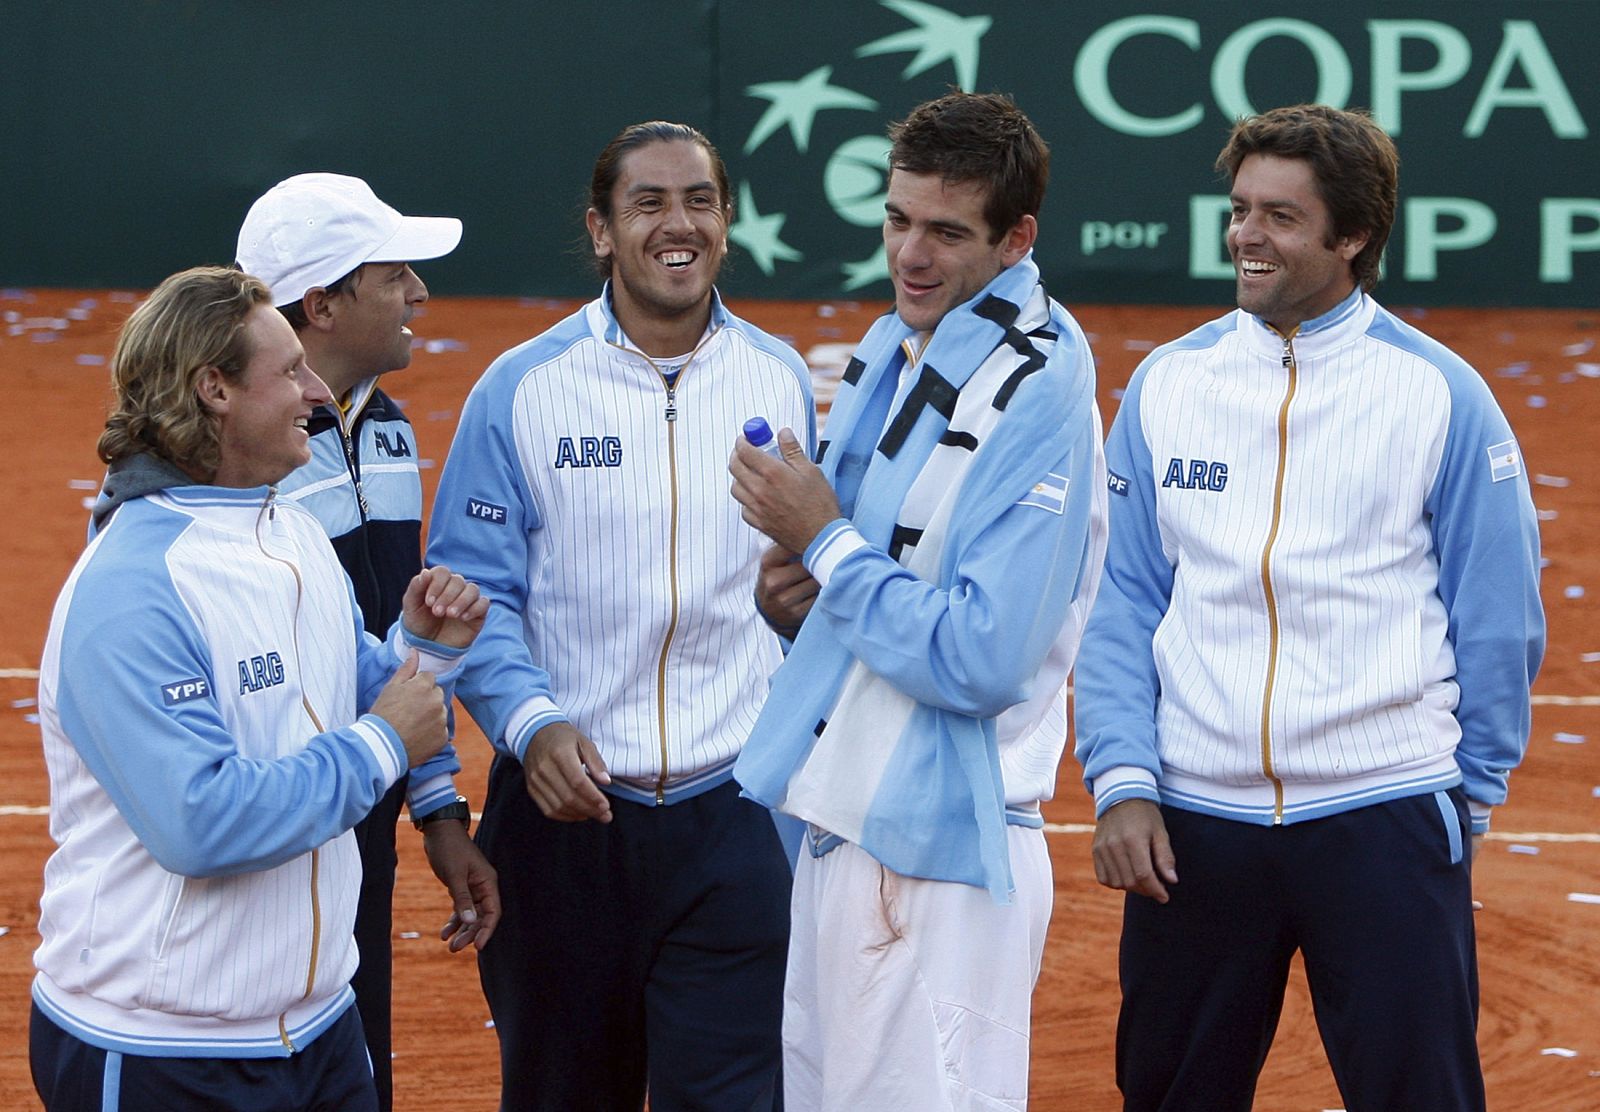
[(136, 134)]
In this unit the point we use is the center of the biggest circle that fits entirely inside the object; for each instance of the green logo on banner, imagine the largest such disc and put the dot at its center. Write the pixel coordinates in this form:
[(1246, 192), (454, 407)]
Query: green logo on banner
[(855, 176)]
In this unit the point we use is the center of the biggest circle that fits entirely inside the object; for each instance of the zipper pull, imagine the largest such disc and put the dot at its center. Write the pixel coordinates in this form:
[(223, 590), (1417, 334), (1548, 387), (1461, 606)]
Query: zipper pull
[(1288, 354), (672, 403), (361, 500)]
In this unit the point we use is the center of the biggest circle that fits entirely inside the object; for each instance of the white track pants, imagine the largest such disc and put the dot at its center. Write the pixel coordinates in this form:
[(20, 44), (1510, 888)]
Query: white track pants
[(908, 994)]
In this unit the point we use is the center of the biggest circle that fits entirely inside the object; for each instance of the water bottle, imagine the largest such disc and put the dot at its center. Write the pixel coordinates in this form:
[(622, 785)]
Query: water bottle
[(759, 433)]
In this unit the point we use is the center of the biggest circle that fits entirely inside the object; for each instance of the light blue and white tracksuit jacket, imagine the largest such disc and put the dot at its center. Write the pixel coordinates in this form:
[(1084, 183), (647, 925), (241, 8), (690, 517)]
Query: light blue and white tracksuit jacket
[(1322, 586), (589, 501), (984, 650), (198, 700)]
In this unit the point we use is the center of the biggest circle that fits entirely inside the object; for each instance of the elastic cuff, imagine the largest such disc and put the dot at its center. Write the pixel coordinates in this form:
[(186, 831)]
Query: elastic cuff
[(1480, 813), (528, 719), (385, 746), (429, 795), (837, 540), (440, 660), (1122, 783)]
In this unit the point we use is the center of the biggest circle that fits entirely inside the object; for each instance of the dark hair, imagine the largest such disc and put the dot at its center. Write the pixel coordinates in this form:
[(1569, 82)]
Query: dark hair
[(1352, 160), (977, 137), (193, 320), (295, 311), (608, 168)]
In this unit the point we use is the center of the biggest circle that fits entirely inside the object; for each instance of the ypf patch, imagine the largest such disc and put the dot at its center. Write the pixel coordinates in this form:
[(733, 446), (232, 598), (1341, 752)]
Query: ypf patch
[(486, 511), (184, 690), (1505, 461)]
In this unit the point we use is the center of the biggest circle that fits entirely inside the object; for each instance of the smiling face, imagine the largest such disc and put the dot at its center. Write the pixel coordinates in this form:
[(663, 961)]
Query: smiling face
[(370, 315), (666, 237), (937, 242), (261, 414), (1289, 266)]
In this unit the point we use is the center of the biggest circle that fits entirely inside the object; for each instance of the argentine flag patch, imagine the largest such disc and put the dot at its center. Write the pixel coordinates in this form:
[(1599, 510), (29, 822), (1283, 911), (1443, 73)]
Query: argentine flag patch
[(1049, 493), (1505, 461)]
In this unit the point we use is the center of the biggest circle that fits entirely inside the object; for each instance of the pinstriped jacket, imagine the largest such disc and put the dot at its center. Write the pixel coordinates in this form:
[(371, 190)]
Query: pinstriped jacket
[(589, 500), (1322, 585), (198, 702)]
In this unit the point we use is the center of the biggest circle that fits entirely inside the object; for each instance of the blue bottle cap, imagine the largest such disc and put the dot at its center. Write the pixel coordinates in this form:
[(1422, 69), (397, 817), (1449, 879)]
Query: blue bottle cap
[(757, 431)]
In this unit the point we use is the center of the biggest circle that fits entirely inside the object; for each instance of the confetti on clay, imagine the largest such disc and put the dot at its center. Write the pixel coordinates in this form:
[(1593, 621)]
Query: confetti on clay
[(1559, 1052), (1569, 739), (1583, 897), (1574, 591), (1552, 480), (1531, 851)]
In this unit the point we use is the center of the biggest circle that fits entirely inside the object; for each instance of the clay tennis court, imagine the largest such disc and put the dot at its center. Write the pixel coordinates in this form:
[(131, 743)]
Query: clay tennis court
[(1539, 949)]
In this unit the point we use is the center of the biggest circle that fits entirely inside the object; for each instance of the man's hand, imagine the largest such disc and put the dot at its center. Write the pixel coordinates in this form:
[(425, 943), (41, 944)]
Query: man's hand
[(561, 769), (1131, 850), (474, 889), (784, 589), (413, 705), (442, 607), (786, 499)]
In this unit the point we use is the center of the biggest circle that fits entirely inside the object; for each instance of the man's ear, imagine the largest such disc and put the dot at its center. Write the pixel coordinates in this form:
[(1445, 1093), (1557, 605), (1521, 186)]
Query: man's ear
[(1019, 240), (213, 390), (599, 234), (1348, 247), (318, 307)]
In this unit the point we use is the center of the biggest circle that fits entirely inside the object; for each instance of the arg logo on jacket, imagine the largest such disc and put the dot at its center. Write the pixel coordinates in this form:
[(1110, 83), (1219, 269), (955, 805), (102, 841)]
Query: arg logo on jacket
[(589, 451), (260, 672), (1196, 474)]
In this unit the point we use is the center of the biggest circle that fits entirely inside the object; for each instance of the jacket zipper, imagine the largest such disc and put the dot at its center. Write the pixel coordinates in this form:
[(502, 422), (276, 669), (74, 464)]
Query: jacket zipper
[(671, 415), (672, 576), (1266, 581), (316, 854), (352, 463)]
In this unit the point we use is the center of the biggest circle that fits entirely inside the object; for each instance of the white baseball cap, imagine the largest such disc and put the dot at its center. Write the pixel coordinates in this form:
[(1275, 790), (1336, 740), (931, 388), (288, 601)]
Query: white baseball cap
[(313, 229)]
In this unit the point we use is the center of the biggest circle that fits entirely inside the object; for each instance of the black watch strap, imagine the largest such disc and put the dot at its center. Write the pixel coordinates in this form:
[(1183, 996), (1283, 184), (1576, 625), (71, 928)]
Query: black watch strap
[(457, 809)]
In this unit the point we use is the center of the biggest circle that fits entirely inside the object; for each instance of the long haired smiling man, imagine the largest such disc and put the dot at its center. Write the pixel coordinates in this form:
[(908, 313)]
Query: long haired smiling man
[(646, 904)]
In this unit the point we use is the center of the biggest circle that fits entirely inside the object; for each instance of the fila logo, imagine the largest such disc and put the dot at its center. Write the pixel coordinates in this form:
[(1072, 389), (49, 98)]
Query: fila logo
[(397, 450), (486, 511), (589, 451), (260, 672), (1200, 474), (181, 692)]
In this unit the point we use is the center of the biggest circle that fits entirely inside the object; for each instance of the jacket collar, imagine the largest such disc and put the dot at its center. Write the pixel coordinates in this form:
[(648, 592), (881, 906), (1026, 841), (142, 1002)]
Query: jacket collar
[(602, 319), (1341, 325)]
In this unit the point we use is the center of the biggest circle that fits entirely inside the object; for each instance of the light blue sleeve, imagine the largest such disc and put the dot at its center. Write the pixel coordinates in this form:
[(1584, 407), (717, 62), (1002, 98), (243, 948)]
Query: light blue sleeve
[(974, 647), (431, 784), (169, 763), (1486, 537), (1115, 687), (485, 522)]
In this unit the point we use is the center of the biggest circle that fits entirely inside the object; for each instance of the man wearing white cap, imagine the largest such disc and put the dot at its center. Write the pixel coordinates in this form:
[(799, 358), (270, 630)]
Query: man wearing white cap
[(337, 260)]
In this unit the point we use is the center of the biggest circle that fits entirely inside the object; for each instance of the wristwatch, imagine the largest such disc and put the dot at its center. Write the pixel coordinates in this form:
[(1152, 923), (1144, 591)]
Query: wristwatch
[(457, 809)]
